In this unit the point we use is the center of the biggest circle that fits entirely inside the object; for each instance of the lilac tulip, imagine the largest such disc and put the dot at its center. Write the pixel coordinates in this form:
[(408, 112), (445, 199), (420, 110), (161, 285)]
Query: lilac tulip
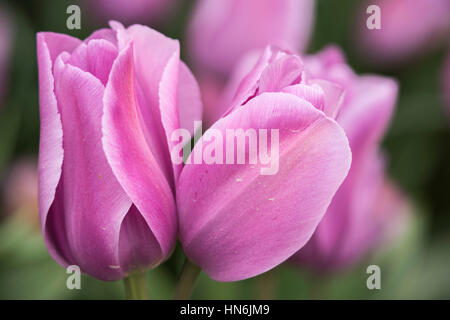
[(106, 180), (5, 48), (351, 225), (221, 31), (130, 11), (236, 222), (408, 27)]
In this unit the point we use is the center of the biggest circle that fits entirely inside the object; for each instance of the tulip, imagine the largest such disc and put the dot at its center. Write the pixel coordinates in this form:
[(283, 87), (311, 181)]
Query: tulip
[(221, 31), (351, 225), (235, 220), (408, 28), (106, 180), (130, 11), (5, 48)]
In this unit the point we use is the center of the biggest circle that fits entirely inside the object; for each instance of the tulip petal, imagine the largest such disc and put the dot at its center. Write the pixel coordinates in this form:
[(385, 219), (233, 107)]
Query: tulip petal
[(366, 118), (95, 57), (281, 73), (238, 223), (131, 159), (313, 94), (189, 99), (350, 224), (93, 204), (138, 246), (168, 103), (49, 46), (152, 53), (104, 34)]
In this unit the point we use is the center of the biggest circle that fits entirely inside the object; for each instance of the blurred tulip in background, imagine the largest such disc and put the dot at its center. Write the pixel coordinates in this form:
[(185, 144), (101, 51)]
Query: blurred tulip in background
[(365, 203), (409, 28)]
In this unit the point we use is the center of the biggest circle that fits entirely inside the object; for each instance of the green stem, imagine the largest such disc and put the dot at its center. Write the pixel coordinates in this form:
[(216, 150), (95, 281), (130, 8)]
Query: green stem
[(188, 277), (136, 286)]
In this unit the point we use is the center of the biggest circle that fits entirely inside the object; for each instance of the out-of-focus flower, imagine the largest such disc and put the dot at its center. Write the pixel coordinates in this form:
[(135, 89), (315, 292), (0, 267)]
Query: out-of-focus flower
[(408, 27), (20, 190), (222, 31), (130, 11), (235, 222), (363, 204), (5, 48), (446, 83), (106, 179)]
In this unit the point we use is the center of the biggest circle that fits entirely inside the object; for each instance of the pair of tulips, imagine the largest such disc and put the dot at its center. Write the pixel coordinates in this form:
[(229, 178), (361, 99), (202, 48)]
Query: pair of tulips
[(111, 200)]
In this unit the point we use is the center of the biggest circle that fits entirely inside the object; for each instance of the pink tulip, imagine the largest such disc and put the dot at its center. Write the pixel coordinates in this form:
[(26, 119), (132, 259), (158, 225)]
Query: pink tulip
[(408, 27), (5, 48), (221, 31), (351, 224), (236, 222), (106, 180), (130, 11)]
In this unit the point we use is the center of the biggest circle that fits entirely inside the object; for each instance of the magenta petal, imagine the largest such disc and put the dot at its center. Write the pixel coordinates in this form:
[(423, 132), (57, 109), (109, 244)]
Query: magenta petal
[(95, 57), (49, 45), (313, 94), (237, 223), (104, 34), (90, 202), (281, 73), (189, 99), (168, 103), (138, 247), (152, 53), (350, 226), (131, 159), (333, 96)]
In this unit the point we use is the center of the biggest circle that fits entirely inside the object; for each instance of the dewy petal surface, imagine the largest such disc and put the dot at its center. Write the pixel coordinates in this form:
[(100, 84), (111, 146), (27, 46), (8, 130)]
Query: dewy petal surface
[(237, 223)]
